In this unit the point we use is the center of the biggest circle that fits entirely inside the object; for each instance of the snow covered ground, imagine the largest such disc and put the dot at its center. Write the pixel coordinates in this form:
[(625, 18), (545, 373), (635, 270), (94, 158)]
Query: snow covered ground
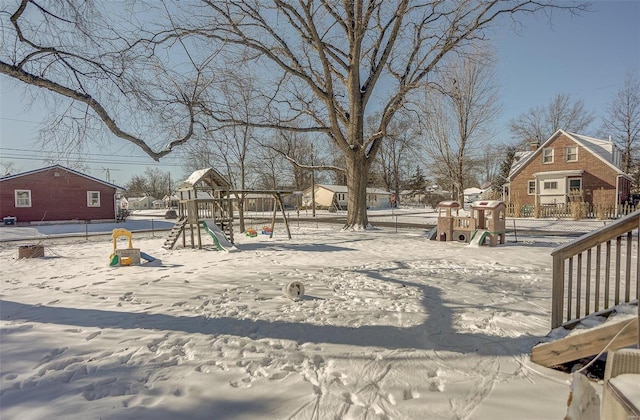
[(391, 326)]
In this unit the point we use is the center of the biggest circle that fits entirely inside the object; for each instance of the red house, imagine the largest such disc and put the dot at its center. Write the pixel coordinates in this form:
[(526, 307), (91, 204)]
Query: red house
[(56, 193), (568, 166)]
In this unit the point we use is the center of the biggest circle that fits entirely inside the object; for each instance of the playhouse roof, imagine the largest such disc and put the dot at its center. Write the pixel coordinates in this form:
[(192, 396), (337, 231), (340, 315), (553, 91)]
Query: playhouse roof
[(449, 204), (209, 176), (487, 204)]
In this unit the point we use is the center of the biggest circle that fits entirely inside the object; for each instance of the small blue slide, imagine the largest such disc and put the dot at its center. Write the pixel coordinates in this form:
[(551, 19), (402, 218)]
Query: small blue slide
[(147, 257), (219, 238)]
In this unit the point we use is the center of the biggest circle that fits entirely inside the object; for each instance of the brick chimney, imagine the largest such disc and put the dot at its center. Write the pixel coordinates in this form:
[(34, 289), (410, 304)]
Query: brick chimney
[(533, 145)]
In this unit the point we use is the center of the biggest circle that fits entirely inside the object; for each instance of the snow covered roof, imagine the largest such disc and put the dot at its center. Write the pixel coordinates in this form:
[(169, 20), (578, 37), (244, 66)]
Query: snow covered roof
[(449, 204), (473, 190), (209, 176), (146, 197), (519, 159)]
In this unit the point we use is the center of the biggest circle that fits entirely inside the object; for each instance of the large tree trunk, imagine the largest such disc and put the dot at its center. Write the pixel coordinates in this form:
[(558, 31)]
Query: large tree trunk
[(357, 177)]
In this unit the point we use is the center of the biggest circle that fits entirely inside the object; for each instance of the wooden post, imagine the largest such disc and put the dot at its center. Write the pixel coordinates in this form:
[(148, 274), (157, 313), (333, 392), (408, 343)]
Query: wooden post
[(230, 215), (273, 218), (557, 294), (284, 216)]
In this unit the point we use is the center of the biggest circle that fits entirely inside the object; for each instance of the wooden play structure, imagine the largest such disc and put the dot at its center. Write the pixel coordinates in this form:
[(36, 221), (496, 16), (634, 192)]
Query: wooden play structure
[(206, 203), (485, 222)]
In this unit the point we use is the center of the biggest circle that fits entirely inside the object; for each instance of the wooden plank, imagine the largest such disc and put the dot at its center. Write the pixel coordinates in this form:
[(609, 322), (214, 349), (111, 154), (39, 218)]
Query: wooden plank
[(585, 344)]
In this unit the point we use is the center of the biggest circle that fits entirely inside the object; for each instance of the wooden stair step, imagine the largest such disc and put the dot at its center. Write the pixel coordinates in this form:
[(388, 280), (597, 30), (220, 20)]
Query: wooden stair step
[(174, 234), (586, 343)]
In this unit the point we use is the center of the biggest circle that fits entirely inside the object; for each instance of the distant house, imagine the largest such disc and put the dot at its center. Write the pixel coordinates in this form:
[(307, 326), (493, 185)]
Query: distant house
[(335, 197), (141, 203), (56, 193), (259, 202), (566, 167), (170, 201), (472, 194)]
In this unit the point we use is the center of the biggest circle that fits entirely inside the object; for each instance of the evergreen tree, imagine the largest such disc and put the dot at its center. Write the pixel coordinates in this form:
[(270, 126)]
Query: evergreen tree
[(505, 168), (417, 182)]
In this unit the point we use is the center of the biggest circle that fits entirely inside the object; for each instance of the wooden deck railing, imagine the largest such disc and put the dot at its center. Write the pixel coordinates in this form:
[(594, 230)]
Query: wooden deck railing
[(596, 271)]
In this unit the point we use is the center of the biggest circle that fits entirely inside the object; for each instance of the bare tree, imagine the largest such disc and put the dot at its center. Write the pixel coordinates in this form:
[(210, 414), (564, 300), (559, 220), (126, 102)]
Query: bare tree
[(622, 121), (488, 163), (8, 168), (101, 73), (459, 117), (158, 182), (333, 58), (321, 62), (393, 163), (154, 182), (539, 123), (298, 150), (137, 186), (233, 148)]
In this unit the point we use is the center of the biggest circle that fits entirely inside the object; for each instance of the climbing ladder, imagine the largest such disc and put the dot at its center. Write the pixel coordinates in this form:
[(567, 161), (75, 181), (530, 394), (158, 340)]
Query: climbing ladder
[(175, 232)]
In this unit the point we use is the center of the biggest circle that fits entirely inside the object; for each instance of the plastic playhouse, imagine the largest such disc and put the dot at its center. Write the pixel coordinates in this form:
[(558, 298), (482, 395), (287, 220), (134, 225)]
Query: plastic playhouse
[(126, 256), (491, 222), (485, 222), (446, 221)]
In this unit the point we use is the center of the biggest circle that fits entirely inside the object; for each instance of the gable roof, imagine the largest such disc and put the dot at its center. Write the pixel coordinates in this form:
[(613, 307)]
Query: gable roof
[(143, 198), (209, 176), (63, 168), (602, 149)]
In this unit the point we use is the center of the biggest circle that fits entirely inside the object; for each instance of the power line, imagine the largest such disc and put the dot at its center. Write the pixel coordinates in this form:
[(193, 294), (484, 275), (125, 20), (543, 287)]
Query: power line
[(97, 161), (24, 154), (71, 153), (18, 120)]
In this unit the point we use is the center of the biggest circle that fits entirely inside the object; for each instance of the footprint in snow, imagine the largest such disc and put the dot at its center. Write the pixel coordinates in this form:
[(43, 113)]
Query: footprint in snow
[(92, 335)]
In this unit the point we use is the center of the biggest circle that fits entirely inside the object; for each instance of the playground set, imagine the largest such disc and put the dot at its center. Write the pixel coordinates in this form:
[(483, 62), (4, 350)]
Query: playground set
[(485, 221), (205, 204)]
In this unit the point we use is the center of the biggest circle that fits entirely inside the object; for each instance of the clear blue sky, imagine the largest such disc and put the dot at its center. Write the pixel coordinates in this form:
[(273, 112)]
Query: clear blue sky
[(586, 57)]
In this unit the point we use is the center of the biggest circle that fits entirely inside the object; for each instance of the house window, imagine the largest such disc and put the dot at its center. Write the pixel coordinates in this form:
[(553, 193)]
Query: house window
[(532, 187), (571, 153), (93, 198), (547, 155), (23, 198), (575, 190), (551, 185)]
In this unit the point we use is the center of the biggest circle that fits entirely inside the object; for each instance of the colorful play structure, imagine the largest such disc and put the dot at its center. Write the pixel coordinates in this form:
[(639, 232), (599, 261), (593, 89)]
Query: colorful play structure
[(206, 204), (129, 255), (486, 221)]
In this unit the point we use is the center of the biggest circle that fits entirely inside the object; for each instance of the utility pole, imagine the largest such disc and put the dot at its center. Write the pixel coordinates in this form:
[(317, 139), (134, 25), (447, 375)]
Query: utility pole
[(313, 184)]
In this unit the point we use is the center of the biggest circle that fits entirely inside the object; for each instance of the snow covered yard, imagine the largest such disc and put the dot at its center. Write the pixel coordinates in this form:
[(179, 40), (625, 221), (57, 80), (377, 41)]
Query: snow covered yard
[(391, 326)]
